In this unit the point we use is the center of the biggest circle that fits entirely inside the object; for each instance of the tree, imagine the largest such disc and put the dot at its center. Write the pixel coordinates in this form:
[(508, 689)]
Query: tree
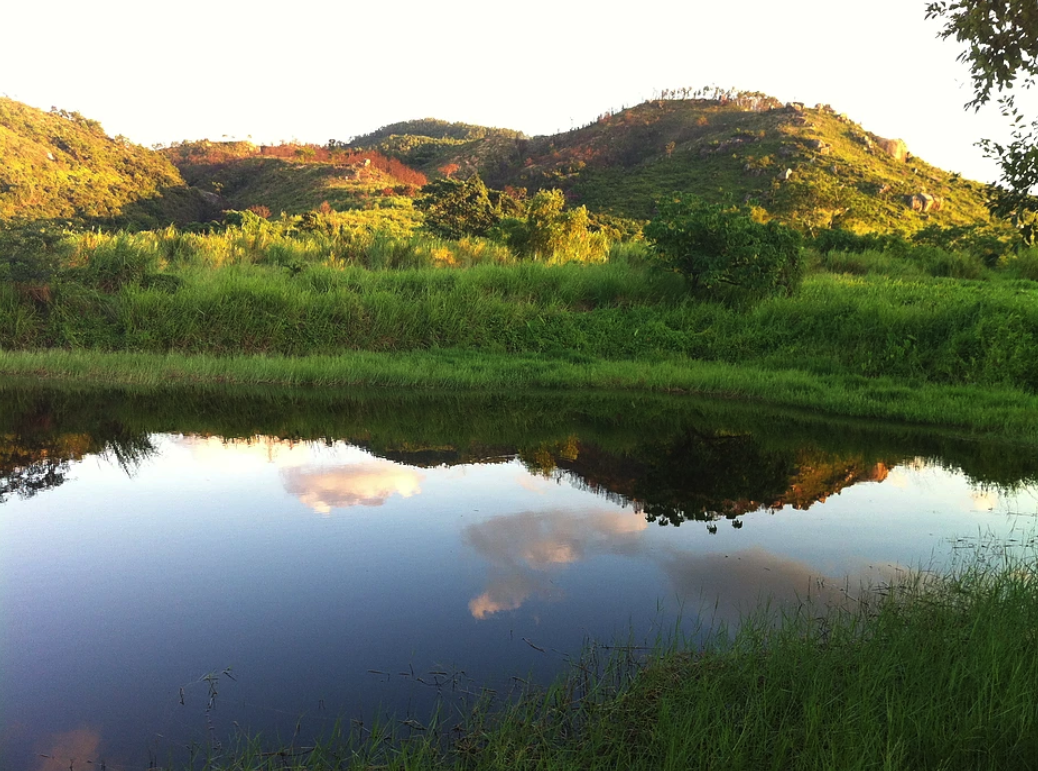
[(455, 209), (716, 247), (1002, 51), (552, 233)]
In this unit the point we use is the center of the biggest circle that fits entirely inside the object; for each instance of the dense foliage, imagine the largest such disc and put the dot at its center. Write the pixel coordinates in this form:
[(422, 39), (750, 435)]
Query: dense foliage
[(714, 246), (1001, 38), (459, 208), (60, 164)]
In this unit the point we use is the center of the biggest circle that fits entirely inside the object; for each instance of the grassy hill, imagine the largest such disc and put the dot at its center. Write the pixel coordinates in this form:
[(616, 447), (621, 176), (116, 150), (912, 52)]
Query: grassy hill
[(808, 166), (294, 178), (61, 165)]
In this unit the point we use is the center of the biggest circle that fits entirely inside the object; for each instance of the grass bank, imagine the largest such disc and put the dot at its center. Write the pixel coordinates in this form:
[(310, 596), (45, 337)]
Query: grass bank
[(1003, 412), (947, 331), (931, 672)]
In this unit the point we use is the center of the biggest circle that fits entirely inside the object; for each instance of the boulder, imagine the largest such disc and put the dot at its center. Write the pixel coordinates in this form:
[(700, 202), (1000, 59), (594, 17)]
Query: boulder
[(823, 148), (895, 148), (924, 202)]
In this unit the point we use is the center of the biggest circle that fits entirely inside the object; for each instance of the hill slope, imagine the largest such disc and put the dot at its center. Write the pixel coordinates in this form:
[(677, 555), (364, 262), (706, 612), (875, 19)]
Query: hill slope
[(61, 165), (808, 166), (293, 178)]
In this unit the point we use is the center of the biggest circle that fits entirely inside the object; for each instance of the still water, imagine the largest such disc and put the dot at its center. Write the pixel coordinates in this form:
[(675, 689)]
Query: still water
[(174, 565)]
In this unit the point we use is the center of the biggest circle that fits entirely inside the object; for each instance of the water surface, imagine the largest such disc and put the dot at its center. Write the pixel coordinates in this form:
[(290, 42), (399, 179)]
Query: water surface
[(175, 564)]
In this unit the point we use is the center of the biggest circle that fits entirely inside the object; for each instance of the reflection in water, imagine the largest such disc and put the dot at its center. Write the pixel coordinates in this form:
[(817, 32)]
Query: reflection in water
[(738, 582), (984, 500), (71, 749), (523, 548), (161, 599), (359, 484), (695, 475), (33, 460)]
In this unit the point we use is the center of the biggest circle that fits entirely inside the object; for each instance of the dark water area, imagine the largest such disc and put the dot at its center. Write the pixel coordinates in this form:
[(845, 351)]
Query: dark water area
[(177, 565)]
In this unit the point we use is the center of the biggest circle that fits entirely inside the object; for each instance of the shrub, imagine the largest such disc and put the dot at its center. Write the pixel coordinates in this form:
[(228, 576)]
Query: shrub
[(716, 247), (550, 233), (31, 254)]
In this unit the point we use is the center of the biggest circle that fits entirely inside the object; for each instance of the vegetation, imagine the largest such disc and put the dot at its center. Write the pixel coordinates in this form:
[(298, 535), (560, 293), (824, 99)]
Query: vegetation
[(61, 165), (1002, 51), (716, 246), (293, 178), (806, 167), (528, 289)]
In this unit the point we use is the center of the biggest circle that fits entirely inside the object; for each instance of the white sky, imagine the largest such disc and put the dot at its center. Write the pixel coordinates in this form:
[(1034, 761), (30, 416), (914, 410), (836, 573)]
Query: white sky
[(314, 70)]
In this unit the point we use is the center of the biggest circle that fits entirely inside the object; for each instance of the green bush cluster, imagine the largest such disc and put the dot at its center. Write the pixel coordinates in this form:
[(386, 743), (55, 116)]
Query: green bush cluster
[(717, 247)]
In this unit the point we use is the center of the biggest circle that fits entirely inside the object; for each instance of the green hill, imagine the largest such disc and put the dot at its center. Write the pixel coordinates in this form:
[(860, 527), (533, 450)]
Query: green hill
[(61, 165), (808, 166)]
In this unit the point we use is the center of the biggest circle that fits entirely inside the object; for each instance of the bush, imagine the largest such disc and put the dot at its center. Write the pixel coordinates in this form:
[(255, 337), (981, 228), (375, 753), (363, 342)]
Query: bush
[(31, 254), (716, 247), (551, 233)]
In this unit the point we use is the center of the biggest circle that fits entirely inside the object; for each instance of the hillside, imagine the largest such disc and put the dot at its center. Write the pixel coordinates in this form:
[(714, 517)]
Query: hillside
[(61, 165), (293, 178), (809, 166)]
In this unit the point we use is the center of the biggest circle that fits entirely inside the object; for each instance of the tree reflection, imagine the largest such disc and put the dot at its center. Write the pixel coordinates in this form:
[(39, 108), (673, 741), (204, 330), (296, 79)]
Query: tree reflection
[(704, 476), (36, 450)]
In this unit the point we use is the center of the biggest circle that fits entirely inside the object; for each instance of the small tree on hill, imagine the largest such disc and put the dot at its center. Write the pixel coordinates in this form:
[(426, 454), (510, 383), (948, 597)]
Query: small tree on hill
[(716, 247)]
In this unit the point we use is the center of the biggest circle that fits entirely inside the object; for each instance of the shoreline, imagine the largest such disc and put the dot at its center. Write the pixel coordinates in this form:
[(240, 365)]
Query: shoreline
[(1009, 414)]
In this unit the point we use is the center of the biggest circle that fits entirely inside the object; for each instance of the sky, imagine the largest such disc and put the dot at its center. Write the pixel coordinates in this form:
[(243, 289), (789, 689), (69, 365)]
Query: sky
[(315, 70)]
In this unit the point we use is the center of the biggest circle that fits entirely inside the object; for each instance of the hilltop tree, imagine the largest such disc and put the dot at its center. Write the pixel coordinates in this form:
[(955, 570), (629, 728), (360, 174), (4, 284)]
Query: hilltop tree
[(1002, 51)]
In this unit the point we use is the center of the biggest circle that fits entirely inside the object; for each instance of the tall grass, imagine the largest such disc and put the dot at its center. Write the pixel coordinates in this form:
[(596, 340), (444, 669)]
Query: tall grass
[(935, 330)]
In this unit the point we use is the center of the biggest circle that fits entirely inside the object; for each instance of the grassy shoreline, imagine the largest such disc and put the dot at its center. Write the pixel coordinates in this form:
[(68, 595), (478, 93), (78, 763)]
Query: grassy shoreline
[(932, 671), (985, 410)]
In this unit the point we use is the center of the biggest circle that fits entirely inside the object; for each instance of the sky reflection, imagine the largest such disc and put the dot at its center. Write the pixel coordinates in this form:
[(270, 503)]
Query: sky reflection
[(199, 559)]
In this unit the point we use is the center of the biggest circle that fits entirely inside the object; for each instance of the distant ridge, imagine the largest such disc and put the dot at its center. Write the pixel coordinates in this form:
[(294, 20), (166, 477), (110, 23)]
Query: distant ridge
[(808, 166)]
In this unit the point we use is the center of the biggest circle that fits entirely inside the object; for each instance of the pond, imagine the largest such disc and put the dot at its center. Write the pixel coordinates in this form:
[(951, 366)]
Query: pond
[(177, 566)]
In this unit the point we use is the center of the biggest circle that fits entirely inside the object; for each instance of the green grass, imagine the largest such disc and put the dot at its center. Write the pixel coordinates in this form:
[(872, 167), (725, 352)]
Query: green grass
[(941, 331), (932, 671), (343, 304), (993, 411)]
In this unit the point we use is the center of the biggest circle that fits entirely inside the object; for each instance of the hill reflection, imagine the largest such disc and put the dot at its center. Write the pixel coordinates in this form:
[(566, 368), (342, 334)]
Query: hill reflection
[(670, 459)]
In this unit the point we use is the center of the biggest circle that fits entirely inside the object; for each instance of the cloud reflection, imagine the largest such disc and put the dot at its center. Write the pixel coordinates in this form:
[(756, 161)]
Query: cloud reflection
[(70, 749), (523, 548), (739, 582), (370, 483)]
